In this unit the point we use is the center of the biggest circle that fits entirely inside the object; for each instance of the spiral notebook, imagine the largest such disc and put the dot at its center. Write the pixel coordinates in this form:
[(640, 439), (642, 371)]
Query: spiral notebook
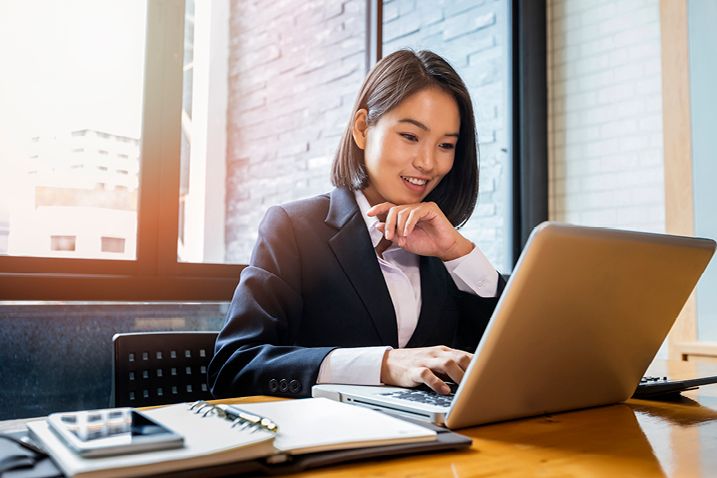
[(306, 426)]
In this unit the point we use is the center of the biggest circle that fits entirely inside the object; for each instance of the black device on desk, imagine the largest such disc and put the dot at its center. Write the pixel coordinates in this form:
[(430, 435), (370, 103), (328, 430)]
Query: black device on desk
[(111, 432), (662, 387)]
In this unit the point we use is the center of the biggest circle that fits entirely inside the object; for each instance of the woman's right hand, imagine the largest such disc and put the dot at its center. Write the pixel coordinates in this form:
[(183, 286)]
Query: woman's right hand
[(422, 229), (412, 367)]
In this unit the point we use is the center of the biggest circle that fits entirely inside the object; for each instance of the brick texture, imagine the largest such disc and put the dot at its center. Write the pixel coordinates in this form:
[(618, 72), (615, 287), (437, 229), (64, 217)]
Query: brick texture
[(605, 126), (294, 72), (472, 36)]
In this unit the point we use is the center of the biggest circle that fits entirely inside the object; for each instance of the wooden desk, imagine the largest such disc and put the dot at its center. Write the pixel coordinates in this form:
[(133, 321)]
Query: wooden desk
[(637, 438)]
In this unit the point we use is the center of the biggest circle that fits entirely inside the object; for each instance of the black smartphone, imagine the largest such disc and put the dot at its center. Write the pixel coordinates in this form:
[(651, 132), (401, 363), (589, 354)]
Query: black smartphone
[(112, 431)]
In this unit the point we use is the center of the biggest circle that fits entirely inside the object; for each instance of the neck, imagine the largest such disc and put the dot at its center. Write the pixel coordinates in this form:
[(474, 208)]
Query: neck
[(372, 196)]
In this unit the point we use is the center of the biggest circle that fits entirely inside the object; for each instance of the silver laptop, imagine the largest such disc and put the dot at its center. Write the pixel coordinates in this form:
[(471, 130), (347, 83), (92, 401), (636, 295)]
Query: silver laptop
[(579, 322)]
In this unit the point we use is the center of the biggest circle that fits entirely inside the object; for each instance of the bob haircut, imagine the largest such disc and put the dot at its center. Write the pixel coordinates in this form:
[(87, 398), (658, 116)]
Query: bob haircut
[(393, 79)]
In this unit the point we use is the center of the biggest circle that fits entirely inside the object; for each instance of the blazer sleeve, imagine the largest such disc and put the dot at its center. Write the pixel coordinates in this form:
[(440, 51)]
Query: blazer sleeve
[(255, 352)]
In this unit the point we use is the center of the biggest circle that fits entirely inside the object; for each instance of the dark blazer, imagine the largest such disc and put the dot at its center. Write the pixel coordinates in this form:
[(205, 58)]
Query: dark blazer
[(314, 284)]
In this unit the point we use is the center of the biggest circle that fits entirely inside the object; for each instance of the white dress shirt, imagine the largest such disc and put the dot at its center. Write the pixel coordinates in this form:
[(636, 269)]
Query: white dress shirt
[(472, 273)]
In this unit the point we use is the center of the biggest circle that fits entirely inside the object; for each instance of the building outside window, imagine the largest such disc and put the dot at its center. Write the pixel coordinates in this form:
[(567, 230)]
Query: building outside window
[(70, 119)]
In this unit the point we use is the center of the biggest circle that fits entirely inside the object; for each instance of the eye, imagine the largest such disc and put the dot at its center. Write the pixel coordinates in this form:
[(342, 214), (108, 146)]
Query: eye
[(447, 146), (409, 136)]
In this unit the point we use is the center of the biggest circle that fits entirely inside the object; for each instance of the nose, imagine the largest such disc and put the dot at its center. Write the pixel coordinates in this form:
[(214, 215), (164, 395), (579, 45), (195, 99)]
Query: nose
[(425, 160)]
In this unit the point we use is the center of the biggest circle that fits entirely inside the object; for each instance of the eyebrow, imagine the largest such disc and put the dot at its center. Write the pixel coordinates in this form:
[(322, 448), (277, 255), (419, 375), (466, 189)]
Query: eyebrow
[(422, 126)]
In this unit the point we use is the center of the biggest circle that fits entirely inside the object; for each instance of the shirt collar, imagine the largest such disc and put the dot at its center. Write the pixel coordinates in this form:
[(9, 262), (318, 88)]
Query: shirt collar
[(371, 222)]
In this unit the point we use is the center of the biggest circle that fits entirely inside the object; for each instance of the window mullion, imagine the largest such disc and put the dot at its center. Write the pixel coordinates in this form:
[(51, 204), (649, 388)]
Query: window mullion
[(161, 128), (374, 32)]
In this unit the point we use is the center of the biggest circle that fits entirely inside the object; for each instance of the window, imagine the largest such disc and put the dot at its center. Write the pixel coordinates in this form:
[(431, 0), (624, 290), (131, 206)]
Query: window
[(62, 243), (67, 101), (113, 244), (234, 109), (703, 75)]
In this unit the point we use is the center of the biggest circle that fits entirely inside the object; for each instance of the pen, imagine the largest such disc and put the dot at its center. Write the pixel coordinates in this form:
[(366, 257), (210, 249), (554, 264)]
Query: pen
[(245, 419)]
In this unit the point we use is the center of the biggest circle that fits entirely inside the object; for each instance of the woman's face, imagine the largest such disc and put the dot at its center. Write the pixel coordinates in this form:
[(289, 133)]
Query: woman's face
[(410, 148)]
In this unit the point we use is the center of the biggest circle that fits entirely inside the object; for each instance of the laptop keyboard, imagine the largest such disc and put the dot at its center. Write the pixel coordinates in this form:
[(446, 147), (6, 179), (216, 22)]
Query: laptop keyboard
[(648, 387), (424, 395)]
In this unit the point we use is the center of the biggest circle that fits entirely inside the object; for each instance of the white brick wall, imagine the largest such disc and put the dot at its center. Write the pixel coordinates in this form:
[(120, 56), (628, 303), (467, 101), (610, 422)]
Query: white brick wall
[(605, 113), (472, 35), (295, 70)]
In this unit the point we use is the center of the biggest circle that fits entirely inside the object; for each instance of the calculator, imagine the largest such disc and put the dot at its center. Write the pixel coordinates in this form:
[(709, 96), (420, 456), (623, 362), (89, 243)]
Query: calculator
[(663, 387)]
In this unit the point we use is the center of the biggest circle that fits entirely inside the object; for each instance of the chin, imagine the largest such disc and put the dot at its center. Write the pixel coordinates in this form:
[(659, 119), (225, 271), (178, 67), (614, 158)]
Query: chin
[(400, 199), (405, 197)]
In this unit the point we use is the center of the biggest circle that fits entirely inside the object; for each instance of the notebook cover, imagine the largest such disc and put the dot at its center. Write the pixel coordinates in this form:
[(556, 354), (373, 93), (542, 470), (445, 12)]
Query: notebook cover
[(447, 440)]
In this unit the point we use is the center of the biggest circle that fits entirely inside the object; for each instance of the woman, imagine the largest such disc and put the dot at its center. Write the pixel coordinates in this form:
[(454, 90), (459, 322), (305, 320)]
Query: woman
[(371, 283)]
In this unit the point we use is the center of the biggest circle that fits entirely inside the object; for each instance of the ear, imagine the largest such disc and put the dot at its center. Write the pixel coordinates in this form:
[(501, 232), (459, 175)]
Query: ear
[(360, 128)]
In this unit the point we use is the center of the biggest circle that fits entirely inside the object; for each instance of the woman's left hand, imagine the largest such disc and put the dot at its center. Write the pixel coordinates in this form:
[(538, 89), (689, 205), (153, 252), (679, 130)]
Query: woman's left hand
[(422, 229)]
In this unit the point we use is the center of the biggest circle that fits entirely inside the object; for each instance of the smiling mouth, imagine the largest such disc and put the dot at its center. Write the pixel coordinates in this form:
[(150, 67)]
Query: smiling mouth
[(415, 181)]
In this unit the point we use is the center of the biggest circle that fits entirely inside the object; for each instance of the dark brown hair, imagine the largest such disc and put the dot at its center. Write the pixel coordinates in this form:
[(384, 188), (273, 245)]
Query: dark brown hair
[(393, 79)]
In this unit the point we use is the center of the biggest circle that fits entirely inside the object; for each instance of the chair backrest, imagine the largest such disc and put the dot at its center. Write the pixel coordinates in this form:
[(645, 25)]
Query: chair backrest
[(157, 368)]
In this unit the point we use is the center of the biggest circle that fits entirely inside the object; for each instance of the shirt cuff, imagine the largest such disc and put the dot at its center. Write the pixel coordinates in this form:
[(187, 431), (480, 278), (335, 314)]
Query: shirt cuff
[(356, 366), (473, 273)]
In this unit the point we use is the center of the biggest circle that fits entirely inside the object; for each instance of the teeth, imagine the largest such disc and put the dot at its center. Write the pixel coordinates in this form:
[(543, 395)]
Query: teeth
[(416, 181)]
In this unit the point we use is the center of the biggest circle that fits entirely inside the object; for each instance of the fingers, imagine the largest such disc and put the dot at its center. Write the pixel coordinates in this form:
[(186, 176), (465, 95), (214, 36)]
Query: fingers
[(400, 221), (387, 212), (380, 209), (390, 223), (464, 359), (411, 367), (450, 362), (396, 221), (426, 375), (451, 368), (413, 218), (453, 364)]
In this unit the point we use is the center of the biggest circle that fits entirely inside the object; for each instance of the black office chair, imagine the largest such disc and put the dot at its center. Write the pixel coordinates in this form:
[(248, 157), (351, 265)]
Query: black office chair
[(158, 368)]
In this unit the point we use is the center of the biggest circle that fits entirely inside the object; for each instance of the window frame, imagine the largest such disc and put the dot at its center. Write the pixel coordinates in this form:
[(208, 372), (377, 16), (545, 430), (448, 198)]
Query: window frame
[(529, 131), (156, 274)]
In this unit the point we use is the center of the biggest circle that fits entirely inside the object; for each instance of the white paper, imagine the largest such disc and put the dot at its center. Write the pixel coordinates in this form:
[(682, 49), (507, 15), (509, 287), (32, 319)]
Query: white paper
[(319, 424)]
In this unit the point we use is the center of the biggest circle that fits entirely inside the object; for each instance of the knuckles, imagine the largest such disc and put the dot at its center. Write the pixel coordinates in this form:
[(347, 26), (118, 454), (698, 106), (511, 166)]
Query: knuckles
[(424, 373)]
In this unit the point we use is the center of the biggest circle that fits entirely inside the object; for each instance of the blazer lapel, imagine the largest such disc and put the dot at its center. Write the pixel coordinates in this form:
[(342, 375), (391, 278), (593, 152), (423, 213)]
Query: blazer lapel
[(433, 297), (352, 247)]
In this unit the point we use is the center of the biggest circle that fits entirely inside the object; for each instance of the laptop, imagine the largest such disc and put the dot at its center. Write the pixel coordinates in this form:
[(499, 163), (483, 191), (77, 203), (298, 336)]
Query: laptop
[(579, 322)]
